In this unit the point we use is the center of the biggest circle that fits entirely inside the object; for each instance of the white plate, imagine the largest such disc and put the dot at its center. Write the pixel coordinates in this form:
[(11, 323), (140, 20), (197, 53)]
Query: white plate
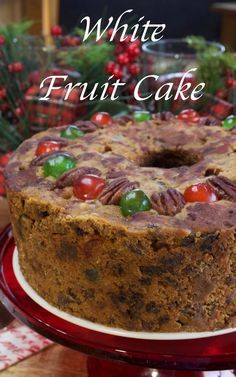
[(105, 329)]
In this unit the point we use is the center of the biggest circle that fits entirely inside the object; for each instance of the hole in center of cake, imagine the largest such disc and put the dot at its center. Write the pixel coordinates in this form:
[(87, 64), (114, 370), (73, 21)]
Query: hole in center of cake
[(168, 159)]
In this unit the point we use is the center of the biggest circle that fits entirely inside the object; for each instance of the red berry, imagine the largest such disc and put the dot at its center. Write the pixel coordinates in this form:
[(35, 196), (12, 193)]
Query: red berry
[(88, 187), (56, 30), (3, 93), (109, 33), (19, 112), (131, 88), (10, 67), (4, 107), (133, 50), (137, 42), (102, 118), (110, 67), (47, 147), (15, 67), (229, 83), (117, 72), (18, 67), (127, 40), (134, 69), (189, 115), (70, 41), (123, 59), (200, 192), (119, 49), (221, 110), (2, 40), (77, 41), (221, 93), (228, 72), (110, 90), (1, 177)]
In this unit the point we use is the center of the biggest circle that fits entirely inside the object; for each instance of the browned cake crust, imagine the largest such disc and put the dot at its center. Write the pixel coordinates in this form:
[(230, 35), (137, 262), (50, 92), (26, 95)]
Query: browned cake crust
[(151, 271)]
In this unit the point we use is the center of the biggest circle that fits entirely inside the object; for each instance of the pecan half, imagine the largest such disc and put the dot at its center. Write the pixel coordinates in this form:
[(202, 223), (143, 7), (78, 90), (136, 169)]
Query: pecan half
[(59, 140), (209, 120), (39, 161), (163, 116), (168, 202), (115, 174), (68, 178), (123, 120), (223, 187), (114, 190), (87, 126)]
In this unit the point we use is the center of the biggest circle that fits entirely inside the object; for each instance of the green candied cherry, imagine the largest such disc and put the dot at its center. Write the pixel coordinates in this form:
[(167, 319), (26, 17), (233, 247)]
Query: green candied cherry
[(134, 201), (141, 116), (229, 122), (72, 132), (55, 166)]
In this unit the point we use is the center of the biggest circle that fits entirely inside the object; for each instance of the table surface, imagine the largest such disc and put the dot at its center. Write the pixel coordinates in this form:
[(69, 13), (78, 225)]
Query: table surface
[(55, 361)]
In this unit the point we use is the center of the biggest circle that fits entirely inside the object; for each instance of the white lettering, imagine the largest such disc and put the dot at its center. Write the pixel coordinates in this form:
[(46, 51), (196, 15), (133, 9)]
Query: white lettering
[(195, 91), (51, 86), (97, 26)]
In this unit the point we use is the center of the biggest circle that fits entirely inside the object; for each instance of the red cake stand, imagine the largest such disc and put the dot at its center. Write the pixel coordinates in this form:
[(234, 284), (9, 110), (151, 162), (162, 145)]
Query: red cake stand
[(117, 353)]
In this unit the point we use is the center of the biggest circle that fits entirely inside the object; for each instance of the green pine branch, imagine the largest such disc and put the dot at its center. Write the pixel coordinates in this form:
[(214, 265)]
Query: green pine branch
[(211, 63), (15, 30)]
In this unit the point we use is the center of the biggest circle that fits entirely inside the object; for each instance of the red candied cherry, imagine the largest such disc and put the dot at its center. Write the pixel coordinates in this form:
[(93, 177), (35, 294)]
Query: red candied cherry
[(102, 118), (56, 30), (123, 59), (4, 159), (200, 192), (134, 69), (189, 115), (2, 188), (3, 93), (2, 40), (47, 147), (110, 67), (88, 187)]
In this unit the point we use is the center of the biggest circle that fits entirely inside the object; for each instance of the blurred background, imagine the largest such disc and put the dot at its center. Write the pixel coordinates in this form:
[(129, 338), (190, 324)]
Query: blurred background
[(213, 20), (41, 38)]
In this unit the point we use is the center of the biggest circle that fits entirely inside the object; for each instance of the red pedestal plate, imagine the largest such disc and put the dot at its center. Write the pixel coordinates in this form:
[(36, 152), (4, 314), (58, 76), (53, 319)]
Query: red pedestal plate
[(114, 355)]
